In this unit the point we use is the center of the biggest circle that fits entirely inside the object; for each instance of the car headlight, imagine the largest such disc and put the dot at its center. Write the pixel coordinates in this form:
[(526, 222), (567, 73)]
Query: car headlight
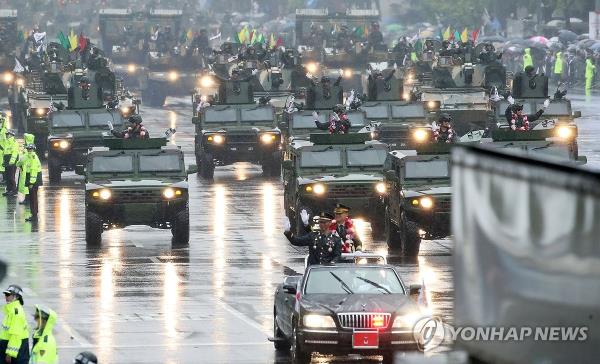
[(103, 194), (312, 68), (318, 321), (404, 321), (420, 135), (347, 73), (216, 139), (8, 77), (40, 111), (61, 144), (131, 68), (380, 187), (318, 189), (268, 138), (564, 132), (207, 81), (424, 202), (173, 76)]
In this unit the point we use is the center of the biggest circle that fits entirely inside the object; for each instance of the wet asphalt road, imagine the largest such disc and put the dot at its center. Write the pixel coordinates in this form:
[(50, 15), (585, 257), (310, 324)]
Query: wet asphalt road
[(137, 300)]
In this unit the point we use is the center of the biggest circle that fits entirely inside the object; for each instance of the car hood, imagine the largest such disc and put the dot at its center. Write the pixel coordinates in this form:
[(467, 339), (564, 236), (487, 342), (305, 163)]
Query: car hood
[(352, 177), (340, 303)]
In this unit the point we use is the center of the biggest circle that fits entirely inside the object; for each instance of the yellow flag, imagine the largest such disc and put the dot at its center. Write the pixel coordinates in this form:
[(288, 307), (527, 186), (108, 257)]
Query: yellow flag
[(242, 36), (189, 35), (464, 36), (272, 41), (446, 34), (246, 34), (72, 40)]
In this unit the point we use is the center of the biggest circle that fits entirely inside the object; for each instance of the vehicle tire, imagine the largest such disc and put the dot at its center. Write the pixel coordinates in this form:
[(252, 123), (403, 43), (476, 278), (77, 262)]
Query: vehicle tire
[(280, 345), (298, 355), (180, 227), (392, 236), (93, 228), (54, 170), (411, 241), (207, 166)]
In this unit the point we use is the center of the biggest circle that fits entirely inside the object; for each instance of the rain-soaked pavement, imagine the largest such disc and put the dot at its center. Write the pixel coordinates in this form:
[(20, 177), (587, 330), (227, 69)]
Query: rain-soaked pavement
[(137, 300)]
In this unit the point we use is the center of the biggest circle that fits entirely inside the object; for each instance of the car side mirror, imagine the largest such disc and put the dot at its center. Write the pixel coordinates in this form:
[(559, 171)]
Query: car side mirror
[(391, 176), (287, 164), (192, 168), (80, 170), (577, 114), (289, 288), (415, 289)]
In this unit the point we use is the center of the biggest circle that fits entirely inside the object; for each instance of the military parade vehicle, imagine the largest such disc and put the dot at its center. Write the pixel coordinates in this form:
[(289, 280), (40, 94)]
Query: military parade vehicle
[(234, 128), (77, 126), (338, 168), (395, 119), (418, 198), (136, 182)]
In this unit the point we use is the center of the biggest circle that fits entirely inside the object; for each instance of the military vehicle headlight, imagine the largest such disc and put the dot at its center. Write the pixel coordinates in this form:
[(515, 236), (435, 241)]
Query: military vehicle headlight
[(426, 202), (312, 67), (347, 73), (173, 76), (564, 132), (216, 139), (319, 189), (8, 77), (61, 144), (207, 81), (432, 105), (131, 68), (268, 138), (318, 321), (40, 111), (380, 187), (169, 193), (104, 194), (420, 135), (20, 82), (126, 110)]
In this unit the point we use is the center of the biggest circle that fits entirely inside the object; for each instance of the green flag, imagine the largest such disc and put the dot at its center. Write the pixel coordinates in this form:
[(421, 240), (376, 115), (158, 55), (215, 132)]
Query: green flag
[(64, 41)]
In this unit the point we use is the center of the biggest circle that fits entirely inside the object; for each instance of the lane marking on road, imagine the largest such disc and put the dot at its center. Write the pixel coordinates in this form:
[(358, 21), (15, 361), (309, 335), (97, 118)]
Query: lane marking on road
[(135, 346), (73, 334), (243, 317)]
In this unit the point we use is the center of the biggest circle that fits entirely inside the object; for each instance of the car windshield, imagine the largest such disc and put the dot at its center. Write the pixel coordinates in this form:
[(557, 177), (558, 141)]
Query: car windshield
[(369, 157), (327, 158), (426, 169), (353, 280), (257, 114), (112, 164), (376, 111), (408, 111), (219, 115), (65, 120), (160, 163), (305, 121), (101, 118)]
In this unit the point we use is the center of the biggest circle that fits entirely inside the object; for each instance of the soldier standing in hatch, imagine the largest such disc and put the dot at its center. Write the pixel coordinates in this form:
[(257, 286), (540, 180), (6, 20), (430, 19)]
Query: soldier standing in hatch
[(135, 130), (324, 245), (338, 121)]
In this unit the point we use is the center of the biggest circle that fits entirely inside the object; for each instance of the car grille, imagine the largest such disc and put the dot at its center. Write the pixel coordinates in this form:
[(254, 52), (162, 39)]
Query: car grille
[(353, 190), (364, 320), (139, 196), (443, 205), (241, 139)]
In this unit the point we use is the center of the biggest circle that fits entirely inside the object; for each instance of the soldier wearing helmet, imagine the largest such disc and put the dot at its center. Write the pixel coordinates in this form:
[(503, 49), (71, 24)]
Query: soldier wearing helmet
[(515, 117), (14, 335)]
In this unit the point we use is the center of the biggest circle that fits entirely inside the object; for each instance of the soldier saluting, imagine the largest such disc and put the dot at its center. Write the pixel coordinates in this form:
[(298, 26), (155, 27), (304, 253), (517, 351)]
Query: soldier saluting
[(324, 245)]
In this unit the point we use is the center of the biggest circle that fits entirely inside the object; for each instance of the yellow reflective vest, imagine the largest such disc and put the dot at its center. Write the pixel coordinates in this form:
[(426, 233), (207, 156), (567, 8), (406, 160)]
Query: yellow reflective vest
[(14, 327)]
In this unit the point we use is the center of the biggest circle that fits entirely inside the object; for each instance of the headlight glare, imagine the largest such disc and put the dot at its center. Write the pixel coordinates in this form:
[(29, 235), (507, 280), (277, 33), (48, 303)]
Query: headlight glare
[(131, 68), (564, 132), (420, 135), (312, 68), (105, 194), (206, 81), (173, 76), (426, 202), (267, 138), (318, 321), (40, 111), (169, 193), (381, 187), (319, 189), (405, 321), (8, 77)]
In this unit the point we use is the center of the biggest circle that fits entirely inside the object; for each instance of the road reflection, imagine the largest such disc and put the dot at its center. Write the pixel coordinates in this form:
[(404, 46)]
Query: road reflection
[(170, 305)]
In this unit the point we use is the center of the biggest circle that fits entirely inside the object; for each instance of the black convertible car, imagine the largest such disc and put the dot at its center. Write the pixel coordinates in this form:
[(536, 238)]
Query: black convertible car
[(345, 309)]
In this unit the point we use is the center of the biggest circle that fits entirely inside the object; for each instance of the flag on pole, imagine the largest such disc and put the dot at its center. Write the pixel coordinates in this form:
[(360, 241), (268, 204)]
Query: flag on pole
[(82, 43), (189, 35), (18, 66), (72, 40), (279, 42), (464, 36), (242, 35), (446, 34), (235, 38), (475, 34), (246, 35), (456, 36), (272, 42), (62, 39)]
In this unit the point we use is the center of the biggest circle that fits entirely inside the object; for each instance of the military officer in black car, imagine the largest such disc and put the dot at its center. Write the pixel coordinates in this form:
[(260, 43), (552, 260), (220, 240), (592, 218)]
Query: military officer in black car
[(324, 245)]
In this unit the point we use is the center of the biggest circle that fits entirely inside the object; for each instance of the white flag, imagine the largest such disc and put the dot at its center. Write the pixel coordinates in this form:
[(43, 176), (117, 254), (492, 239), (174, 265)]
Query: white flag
[(39, 36), (215, 37), (18, 67)]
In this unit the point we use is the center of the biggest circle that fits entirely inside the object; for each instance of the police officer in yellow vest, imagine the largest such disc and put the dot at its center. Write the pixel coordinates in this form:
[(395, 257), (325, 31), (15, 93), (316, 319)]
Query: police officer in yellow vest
[(22, 165), (3, 130), (11, 152), (558, 66), (590, 71), (14, 337), (527, 59), (44, 345), (33, 180)]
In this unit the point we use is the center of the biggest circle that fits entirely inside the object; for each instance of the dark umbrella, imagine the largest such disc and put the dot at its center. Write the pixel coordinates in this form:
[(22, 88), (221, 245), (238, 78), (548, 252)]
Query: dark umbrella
[(567, 36)]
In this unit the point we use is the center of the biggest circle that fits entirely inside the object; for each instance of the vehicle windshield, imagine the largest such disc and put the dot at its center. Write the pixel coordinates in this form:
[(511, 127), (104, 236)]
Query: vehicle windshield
[(306, 121), (160, 163), (369, 157), (353, 280), (65, 120), (327, 158), (101, 118), (426, 169), (112, 164), (219, 115), (408, 111), (257, 114), (375, 111), (556, 108), (356, 118)]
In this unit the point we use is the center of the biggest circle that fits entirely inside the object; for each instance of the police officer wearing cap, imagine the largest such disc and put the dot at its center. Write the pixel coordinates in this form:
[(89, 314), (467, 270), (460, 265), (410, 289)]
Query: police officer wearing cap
[(33, 180), (85, 357), (11, 152), (344, 226), (324, 245), (135, 130), (14, 336)]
